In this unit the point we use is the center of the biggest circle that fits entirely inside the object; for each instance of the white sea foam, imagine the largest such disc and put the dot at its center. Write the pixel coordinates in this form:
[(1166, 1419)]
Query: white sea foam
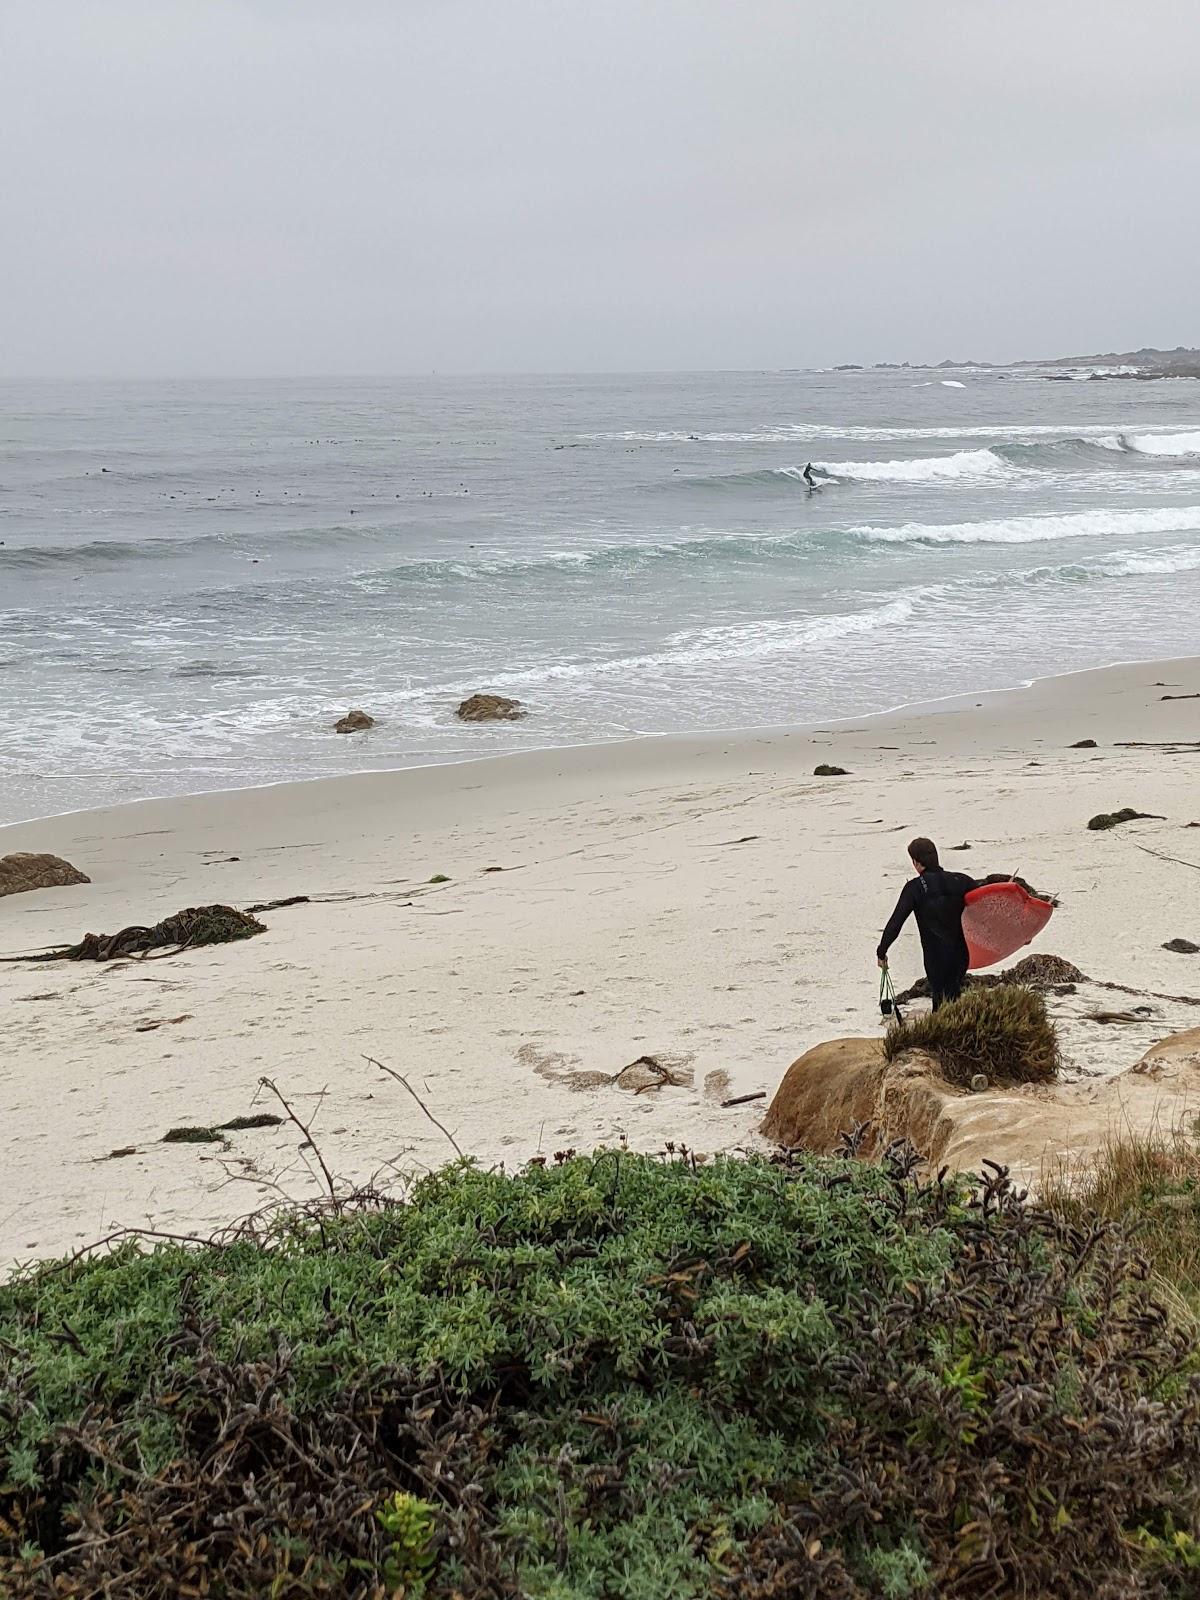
[(784, 433), (1097, 524), (1163, 444), (700, 647), (962, 464), (1153, 563), (952, 383), (776, 636)]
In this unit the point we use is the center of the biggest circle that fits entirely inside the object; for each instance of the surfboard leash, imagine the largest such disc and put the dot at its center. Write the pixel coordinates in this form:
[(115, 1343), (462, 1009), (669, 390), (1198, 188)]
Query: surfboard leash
[(889, 1006)]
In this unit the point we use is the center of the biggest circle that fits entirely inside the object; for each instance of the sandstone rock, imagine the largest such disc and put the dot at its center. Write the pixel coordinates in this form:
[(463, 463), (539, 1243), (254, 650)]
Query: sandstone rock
[(22, 872), (354, 722), (490, 708), (829, 1091), (1032, 1130)]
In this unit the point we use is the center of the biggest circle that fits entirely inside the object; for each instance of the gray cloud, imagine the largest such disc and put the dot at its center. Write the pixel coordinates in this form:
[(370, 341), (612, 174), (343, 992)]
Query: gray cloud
[(202, 186)]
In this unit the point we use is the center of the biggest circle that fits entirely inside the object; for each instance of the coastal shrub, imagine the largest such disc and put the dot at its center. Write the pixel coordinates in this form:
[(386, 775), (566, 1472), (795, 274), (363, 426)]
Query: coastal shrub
[(608, 1376), (1003, 1032)]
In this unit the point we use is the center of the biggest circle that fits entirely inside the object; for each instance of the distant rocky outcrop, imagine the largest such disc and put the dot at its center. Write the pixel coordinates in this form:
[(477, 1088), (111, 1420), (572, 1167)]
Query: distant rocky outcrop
[(845, 1087), (24, 871), (490, 708), (1130, 365), (354, 722)]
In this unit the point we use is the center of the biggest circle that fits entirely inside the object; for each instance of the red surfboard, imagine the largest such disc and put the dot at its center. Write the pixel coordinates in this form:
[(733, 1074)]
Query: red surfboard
[(998, 919)]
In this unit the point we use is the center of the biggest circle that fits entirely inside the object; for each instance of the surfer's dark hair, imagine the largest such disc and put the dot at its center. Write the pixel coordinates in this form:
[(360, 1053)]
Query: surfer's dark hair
[(924, 853)]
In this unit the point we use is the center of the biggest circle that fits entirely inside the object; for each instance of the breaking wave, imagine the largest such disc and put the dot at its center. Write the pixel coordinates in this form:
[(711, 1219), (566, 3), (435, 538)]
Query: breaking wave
[(1098, 524), (1154, 563), (1074, 452), (793, 432), (699, 647), (626, 559), (962, 464), (1162, 444)]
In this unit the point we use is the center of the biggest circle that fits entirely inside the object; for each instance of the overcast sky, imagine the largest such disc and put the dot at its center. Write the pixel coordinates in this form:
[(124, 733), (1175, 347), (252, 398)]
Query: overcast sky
[(376, 186)]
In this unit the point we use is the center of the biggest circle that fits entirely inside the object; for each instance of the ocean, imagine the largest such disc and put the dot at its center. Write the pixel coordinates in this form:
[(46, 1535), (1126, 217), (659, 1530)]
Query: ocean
[(197, 579)]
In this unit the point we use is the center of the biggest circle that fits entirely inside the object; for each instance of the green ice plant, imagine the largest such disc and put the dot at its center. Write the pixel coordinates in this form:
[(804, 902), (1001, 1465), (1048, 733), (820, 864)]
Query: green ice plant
[(410, 1524), (609, 1375)]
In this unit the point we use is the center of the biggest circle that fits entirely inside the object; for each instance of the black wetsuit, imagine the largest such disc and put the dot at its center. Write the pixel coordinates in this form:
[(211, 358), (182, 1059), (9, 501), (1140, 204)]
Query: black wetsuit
[(808, 476), (936, 898)]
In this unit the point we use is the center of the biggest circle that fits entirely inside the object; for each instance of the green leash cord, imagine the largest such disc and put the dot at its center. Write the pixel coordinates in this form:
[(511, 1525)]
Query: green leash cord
[(887, 995)]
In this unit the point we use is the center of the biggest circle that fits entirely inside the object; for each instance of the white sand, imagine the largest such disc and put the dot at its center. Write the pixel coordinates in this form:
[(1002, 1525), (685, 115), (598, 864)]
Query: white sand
[(628, 920)]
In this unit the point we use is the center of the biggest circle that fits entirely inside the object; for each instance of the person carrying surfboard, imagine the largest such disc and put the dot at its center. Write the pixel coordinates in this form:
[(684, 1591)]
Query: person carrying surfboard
[(936, 898)]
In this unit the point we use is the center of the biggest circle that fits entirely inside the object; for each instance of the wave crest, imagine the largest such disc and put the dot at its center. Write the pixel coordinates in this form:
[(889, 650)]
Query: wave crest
[(1098, 524), (1162, 444), (962, 464)]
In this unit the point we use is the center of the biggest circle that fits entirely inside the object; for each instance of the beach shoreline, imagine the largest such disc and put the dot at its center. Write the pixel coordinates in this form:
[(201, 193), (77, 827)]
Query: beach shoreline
[(688, 742), (705, 901)]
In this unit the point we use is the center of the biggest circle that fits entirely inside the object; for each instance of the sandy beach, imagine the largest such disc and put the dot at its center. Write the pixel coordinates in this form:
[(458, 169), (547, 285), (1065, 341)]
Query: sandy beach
[(707, 903)]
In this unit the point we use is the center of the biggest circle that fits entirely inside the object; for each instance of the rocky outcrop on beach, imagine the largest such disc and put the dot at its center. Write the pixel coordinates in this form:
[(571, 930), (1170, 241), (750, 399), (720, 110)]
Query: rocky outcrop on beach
[(490, 708), (24, 871), (354, 722), (846, 1087)]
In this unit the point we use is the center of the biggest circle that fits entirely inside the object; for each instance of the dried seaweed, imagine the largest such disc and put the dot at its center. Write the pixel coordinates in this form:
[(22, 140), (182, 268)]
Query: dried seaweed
[(186, 930)]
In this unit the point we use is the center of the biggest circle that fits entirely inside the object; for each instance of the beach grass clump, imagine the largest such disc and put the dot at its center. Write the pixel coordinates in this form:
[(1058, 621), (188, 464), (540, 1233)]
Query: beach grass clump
[(607, 1376), (1003, 1032), (1149, 1183)]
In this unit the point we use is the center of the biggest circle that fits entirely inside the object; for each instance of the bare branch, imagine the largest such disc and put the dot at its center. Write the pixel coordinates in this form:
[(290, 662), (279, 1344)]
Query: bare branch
[(401, 1079), (267, 1083), (1162, 856)]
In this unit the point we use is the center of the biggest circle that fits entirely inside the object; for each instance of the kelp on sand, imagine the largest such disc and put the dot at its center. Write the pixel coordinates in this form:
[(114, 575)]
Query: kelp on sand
[(186, 930)]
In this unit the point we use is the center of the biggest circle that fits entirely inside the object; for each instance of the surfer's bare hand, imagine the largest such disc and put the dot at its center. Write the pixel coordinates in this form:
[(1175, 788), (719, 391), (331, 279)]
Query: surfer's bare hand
[(882, 963)]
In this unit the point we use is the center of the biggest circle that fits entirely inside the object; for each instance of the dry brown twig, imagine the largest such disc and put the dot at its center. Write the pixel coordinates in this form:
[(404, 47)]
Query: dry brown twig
[(310, 1142), (401, 1079), (1162, 856)]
